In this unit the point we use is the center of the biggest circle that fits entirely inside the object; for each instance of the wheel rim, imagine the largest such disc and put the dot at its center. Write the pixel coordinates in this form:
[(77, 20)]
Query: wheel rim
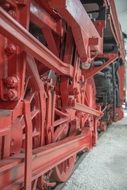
[(64, 170), (31, 93)]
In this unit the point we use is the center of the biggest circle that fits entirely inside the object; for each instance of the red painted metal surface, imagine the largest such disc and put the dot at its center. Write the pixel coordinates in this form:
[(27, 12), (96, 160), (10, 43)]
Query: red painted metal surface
[(116, 28), (93, 71), (52, 55), (40, 17), (86, 36)]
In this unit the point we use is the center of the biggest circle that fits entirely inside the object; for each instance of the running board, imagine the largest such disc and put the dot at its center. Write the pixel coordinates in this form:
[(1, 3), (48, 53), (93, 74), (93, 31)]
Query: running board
[(86, 109)]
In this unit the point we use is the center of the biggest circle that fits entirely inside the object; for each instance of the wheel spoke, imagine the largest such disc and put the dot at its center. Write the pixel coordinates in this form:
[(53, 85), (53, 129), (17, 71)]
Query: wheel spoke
[(34, 113), (26, 84)]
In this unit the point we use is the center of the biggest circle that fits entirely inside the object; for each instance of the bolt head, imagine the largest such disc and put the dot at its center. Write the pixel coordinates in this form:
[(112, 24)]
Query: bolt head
[(6, 6), (21, 2), (12, 13), (11, 82), (10, 49), (11, 94)]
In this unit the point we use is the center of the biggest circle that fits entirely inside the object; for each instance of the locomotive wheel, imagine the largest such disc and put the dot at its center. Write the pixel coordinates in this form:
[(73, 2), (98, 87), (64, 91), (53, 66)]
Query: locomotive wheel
[(32, 94), (18, 129), (90, 93), (35, 93), (63, 171), (90, 100)]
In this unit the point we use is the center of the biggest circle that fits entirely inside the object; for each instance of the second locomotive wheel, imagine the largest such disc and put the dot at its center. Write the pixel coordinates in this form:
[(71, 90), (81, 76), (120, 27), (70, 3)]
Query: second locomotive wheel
[(63, 171)]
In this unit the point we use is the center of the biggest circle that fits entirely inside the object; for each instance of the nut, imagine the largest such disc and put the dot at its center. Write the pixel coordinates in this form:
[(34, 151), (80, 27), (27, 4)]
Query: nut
[(10, 49), (11, 94), (11, 82)]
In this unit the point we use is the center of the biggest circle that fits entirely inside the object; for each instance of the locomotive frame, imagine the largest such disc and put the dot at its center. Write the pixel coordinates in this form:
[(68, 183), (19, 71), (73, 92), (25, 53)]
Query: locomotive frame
[(50, 52)]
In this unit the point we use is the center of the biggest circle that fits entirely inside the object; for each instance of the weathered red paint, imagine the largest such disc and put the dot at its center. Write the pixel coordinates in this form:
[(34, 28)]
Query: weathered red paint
[(48, 108)]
